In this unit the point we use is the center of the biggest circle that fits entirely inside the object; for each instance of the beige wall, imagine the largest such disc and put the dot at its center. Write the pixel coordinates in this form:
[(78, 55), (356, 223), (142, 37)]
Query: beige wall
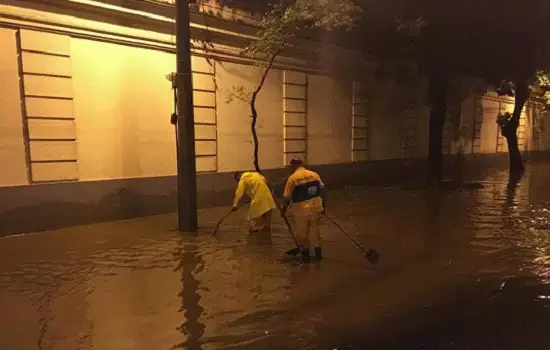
[(387, 123), (488, 139), (361, 126), (234, 135), (123, 102), (489, 130), (49, 113), (12, 144), (329, 120), (466, 128), (295, 115)]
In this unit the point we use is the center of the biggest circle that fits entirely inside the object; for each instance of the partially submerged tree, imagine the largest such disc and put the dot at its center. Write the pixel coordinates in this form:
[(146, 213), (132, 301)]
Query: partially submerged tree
[(535, 88), (493, 40), (517, 58), (279, 29)]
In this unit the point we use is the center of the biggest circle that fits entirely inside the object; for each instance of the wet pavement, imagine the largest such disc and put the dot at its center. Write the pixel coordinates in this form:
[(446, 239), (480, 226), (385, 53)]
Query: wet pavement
[(460, 269)]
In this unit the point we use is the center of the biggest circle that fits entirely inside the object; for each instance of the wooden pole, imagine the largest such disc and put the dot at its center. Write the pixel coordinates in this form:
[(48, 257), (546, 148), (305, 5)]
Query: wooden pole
[(187, 177)]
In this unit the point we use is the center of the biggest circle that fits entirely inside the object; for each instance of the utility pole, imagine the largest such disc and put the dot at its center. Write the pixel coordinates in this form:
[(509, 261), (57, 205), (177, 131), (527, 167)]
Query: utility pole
[(187, 174)]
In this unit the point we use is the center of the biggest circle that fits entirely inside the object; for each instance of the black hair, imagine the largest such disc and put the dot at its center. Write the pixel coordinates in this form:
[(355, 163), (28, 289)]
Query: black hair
[(296, 162)]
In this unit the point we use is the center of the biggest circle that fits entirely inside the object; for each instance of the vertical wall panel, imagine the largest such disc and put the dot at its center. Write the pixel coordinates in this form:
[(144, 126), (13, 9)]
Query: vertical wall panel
[(295, 90), (466, 125), (447, 136), (206, 121), (489, 133), (477, 124), (522, 130), (13, 151), (360, 137), (329, 126), (537, 126), (47, 86), (408, 135)]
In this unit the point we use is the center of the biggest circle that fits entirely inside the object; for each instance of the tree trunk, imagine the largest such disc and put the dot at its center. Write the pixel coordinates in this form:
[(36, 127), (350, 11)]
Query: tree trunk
[(510, 131), (515, 160), (254, 111), (439, 84), (254, 133)]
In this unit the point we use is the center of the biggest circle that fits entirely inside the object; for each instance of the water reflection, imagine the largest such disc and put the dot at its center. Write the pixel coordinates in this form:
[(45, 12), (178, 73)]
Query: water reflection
[(452, 261), (432, 218), (190, 264), (510, 205)]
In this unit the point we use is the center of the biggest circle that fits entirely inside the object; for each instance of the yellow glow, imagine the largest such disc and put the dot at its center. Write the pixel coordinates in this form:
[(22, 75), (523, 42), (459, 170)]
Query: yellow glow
[(123, 9), (157, 17)]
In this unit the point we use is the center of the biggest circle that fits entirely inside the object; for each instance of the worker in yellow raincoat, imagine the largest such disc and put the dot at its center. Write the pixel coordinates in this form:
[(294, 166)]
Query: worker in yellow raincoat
[(306, 191), (261, 200)]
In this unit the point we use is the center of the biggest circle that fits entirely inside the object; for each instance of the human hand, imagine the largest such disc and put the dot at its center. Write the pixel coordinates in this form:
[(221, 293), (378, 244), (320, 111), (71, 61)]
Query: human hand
[(234, 209)]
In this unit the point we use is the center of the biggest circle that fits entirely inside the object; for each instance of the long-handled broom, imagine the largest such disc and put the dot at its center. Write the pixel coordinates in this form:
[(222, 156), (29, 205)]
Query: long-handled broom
[(372, 255), (225, 217), (293, 251)]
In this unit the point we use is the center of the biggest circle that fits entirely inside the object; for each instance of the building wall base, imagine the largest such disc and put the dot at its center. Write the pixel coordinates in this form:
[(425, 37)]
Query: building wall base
[(25, 209)]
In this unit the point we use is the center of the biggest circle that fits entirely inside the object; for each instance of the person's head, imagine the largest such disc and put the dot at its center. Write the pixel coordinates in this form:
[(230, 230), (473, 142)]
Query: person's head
[(296, 163), (238, 175)]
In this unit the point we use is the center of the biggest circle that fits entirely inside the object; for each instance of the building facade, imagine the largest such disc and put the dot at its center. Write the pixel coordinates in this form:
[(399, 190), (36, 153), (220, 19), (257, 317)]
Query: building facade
[(85, 111)]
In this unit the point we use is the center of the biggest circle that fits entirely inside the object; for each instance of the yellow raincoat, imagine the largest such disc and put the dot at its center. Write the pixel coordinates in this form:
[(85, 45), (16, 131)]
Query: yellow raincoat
[(261, 199)]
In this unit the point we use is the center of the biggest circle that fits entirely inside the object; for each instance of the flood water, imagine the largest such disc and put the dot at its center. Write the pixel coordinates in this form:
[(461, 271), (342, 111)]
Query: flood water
[(459, 269)]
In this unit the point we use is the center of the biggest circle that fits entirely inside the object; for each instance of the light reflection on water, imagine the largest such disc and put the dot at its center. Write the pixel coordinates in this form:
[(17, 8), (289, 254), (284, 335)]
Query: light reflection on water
[(138, 284)]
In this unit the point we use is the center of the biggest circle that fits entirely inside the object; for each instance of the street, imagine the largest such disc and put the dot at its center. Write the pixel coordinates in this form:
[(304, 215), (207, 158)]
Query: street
[(462, 268)]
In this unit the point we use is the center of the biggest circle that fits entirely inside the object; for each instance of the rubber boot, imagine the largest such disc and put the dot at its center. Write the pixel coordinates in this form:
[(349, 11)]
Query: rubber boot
[(318, 253), (305, 255)]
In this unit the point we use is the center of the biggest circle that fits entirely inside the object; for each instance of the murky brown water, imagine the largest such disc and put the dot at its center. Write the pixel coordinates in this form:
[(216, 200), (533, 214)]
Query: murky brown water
[(466, 269)]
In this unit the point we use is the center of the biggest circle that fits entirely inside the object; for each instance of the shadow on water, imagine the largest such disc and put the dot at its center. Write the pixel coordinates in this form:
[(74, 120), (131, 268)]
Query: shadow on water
[(432, 217), (190, 263)]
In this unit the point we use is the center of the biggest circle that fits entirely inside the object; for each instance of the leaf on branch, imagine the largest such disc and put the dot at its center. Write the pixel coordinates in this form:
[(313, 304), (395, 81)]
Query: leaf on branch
[(283, 23), (171, 77), (506, 88), (503, 119), (541, 88)]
